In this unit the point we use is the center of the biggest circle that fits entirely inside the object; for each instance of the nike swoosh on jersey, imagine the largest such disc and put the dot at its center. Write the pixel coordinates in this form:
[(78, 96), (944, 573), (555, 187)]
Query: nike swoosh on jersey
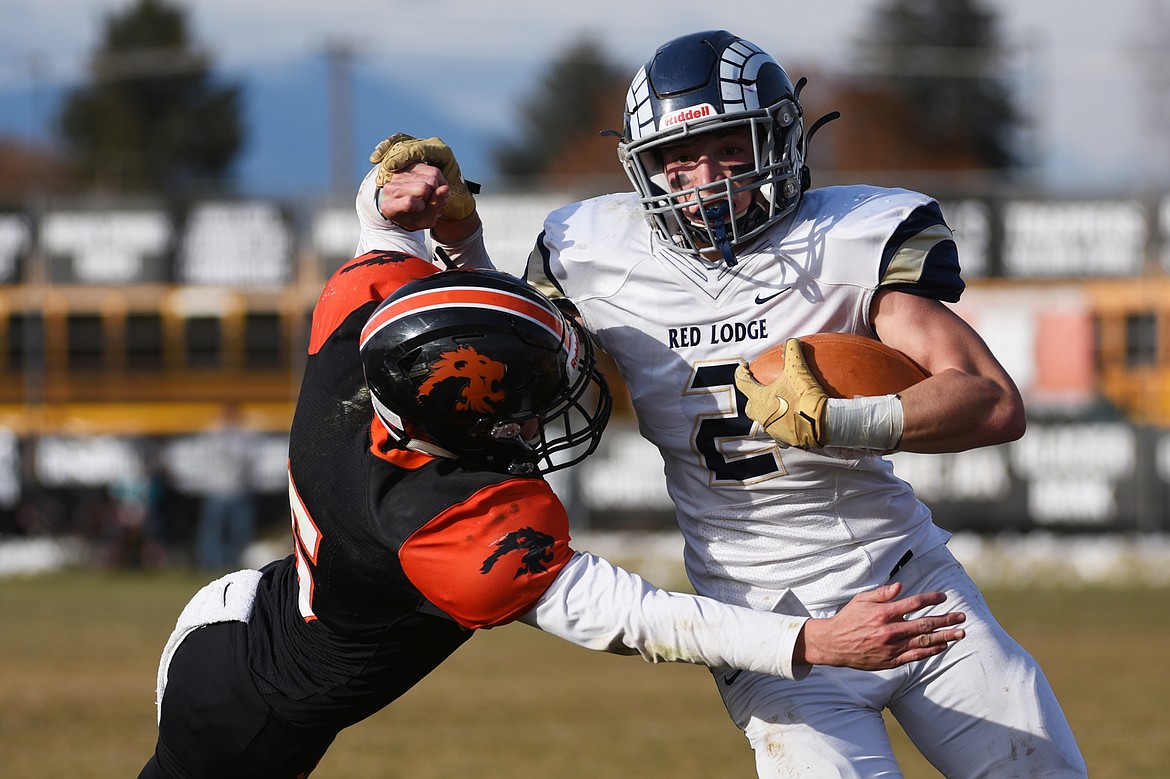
[(761, 298)]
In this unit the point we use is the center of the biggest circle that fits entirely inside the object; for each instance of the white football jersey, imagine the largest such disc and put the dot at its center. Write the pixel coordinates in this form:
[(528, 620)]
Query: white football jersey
[(760, 520)]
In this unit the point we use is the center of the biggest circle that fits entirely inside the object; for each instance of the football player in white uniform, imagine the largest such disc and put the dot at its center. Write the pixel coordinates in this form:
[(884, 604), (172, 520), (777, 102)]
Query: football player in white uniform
[(783, 496)]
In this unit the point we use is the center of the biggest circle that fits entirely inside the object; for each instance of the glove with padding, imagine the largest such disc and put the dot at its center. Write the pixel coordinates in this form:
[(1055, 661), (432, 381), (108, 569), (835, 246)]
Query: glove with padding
[(792, 408), (401, 150)]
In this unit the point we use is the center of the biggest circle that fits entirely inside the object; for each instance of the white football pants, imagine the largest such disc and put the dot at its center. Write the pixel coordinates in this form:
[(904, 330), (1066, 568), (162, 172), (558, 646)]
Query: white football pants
[(983, 708)]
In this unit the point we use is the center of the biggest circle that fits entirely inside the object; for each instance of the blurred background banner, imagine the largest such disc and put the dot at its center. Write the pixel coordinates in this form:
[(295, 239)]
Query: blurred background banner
[(99, 375), (177, 182)]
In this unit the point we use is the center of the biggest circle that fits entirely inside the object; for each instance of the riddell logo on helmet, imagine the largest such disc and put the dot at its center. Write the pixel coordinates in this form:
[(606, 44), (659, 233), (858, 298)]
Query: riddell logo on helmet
[(573, 348), (687, 114), (573, 358)]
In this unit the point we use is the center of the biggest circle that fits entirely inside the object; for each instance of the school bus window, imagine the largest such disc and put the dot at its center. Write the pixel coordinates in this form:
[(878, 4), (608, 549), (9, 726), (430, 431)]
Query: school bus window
[(84, 336), (25, 340), (144, 341), (1141, 339), (204, 342), (263, 340)]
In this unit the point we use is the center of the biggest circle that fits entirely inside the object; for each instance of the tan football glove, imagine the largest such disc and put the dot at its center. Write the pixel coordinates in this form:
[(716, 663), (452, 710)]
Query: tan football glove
[(400, 150), (792, 408)]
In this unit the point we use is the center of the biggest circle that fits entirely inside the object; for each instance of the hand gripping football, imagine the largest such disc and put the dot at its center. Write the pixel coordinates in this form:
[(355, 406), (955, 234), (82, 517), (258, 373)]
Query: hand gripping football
[(845, 365)]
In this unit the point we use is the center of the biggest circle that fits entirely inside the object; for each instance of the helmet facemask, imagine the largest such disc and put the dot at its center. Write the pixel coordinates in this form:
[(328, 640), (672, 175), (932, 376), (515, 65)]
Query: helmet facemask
[(707, 83), (567, 429), (772, 179)]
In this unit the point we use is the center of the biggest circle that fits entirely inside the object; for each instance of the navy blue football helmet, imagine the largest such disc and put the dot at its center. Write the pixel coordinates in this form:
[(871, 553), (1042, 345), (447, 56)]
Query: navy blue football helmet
[(708, 82)]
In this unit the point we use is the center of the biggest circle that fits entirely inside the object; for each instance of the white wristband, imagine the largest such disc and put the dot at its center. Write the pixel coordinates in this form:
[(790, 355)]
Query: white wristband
[(864, 423)]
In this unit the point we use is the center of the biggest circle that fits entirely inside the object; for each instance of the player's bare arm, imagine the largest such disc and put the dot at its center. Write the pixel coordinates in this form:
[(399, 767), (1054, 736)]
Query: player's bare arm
[(969, 400), (873, 632)]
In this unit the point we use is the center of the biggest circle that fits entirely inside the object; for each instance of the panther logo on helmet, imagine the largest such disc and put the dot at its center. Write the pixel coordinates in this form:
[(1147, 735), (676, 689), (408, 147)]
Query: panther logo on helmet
[(482, 374)]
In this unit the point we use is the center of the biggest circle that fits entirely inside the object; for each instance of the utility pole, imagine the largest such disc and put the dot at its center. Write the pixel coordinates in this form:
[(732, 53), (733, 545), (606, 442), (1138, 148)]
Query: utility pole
[(339, 61)]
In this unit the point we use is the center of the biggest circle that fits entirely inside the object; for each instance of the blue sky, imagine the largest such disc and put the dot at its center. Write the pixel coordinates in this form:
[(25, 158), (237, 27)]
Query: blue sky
[(457, 70)]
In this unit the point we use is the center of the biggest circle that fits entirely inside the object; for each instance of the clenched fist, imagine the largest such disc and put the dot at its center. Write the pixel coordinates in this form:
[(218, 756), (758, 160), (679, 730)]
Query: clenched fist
[(400, 151)]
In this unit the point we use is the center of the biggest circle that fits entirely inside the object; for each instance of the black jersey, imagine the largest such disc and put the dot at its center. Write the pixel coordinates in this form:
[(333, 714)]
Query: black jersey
[(398, 556)]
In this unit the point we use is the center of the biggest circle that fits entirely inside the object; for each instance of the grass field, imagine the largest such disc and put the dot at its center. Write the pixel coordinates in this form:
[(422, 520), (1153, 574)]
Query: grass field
[(78, 654)]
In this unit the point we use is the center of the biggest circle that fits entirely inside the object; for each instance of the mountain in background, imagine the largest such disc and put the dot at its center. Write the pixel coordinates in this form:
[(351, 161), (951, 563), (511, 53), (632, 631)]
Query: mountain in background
[(287, 151)]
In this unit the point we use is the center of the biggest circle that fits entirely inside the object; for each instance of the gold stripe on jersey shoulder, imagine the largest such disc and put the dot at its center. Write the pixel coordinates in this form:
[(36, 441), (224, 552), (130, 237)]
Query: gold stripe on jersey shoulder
[(909, 262)]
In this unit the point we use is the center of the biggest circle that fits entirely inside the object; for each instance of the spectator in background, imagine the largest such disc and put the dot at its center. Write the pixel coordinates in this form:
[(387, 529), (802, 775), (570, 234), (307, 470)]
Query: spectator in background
[(227, 509)]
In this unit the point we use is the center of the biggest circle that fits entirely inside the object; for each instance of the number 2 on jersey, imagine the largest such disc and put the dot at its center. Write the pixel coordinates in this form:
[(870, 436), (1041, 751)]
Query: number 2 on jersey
[(714, 432)]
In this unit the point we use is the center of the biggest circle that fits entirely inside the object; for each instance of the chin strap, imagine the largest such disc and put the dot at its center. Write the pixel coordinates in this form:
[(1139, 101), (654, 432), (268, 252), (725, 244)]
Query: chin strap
[(417, 445), (818, 124), (805, 176), (397, 431)]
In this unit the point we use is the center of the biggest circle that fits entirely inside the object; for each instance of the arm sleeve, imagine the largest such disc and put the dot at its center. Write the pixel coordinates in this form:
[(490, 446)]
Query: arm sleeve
[(468, 253), (376, 233), (597, 605), (538, 271)]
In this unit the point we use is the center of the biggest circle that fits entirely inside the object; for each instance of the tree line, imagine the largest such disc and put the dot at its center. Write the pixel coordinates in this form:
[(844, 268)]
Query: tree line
[(153, 117)]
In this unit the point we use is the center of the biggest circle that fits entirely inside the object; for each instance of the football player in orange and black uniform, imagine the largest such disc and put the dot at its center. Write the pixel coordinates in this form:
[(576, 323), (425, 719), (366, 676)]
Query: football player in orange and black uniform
[(432, 405)]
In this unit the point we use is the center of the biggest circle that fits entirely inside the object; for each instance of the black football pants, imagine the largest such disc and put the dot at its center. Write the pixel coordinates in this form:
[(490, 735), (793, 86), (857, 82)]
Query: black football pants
[(216, 725)]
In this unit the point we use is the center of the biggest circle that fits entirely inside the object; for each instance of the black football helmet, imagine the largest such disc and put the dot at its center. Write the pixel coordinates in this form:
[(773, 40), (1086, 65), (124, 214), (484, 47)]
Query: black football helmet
[(478, 366), (707, 82)]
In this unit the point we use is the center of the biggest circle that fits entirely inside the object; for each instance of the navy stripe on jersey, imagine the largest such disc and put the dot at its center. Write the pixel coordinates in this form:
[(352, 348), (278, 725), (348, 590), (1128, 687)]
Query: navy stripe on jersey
[(921, 257), (543, 280)]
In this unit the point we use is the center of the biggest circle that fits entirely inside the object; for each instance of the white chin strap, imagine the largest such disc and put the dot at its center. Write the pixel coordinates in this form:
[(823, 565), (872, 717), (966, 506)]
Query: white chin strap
[(417, 445), (395, 426)]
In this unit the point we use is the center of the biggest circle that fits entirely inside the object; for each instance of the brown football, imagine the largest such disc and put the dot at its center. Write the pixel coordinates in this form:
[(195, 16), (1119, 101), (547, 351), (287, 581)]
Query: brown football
[(846, 365)]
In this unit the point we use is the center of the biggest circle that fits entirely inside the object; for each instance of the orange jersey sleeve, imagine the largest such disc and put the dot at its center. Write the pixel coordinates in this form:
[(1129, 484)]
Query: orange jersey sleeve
[(488, 559), (369, 278)]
